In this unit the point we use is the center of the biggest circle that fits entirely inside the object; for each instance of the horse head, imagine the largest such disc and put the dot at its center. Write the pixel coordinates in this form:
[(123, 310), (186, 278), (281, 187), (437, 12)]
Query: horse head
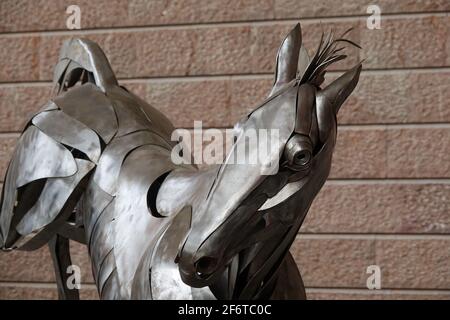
[(247, 213)]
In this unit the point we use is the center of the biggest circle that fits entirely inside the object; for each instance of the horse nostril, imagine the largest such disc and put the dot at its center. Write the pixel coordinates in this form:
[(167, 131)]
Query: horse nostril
[(205, 266)]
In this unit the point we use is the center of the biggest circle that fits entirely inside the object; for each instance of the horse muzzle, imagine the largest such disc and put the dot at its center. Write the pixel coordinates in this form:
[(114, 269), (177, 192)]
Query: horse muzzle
[(199, 271)]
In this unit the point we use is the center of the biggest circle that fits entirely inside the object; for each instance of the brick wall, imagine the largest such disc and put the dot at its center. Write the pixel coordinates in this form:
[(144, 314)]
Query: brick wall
[(387, 201)]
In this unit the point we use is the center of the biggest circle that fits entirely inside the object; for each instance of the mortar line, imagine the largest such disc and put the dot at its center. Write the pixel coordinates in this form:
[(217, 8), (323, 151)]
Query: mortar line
[(211, 24), (237, 76)]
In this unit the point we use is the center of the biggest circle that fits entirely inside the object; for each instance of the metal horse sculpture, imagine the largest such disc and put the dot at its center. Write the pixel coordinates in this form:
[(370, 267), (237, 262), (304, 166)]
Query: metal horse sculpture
[(94, 165)]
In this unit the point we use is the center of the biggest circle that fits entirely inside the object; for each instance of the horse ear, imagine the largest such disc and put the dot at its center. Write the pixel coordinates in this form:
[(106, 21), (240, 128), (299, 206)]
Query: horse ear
[(287, 59), (339, 90)]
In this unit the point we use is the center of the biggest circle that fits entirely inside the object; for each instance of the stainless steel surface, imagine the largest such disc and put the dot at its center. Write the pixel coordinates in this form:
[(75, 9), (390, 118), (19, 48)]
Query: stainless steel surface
[(110, 164), (90, 106), (91, 58), (52, 199), (68, 131), (97, 159), (133, 217)]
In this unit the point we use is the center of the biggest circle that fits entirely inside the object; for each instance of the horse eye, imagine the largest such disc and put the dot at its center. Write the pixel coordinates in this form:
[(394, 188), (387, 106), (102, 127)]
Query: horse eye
[(298, 152), (302, 157)]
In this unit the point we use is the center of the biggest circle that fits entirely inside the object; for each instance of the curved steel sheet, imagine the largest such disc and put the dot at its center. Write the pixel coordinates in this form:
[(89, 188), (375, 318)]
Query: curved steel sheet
[(89, 55), (287, 59), (111, 289), (183, 188), (49, 106), (110, 163), (92, 204), (68, 131), (107, 267), (59, 70), (71, 75), (159, 121), (39, 157), (130, 116), (36, 156), (89, 105), (133, 219), (52, 200), (101, 241), (166, 282)]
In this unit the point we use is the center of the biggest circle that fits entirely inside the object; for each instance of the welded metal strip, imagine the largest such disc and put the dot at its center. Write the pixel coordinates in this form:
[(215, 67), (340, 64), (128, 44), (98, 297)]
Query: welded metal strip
[(89, 55), (92, 204), (102, 239), (184, 187), (287, 59), (69, 131), (52, 200), (110, 163), (160, 123), (36, 156), (166, 282), (132, 214), (89, 105), (107, 267), (111, 289)]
